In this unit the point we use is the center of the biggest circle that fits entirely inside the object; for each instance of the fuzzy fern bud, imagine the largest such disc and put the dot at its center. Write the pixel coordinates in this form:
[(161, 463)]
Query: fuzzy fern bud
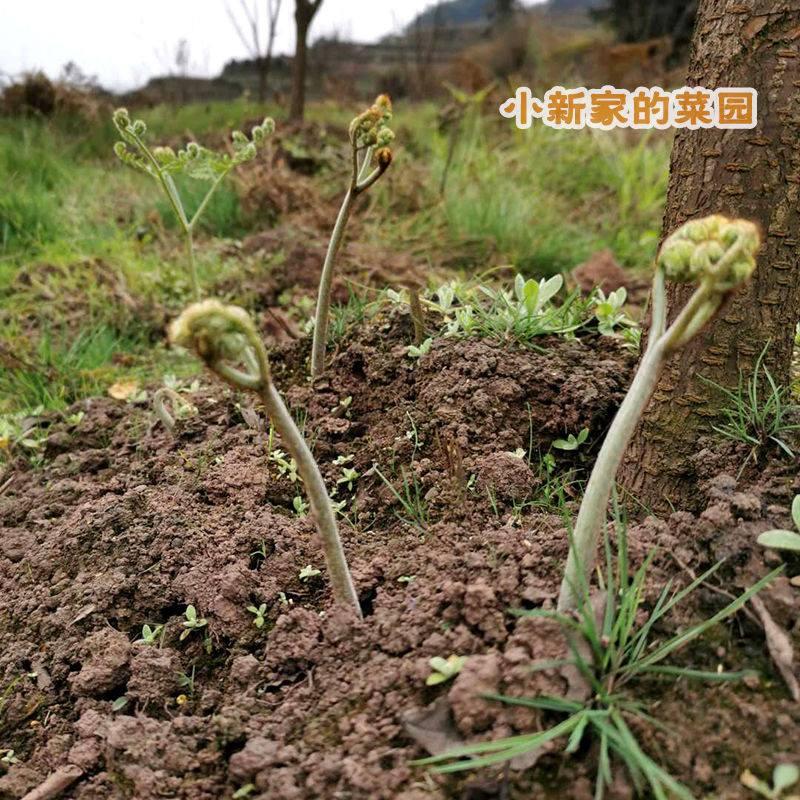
[(385, 137), (217, 332), (384, 104), (384, 156), (369, 129), (266, 128), (713, 248), (121, 119)]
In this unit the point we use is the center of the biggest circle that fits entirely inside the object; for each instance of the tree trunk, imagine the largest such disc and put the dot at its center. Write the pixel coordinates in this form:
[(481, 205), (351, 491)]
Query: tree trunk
[(753, 174), (263, 69), (303, 14)]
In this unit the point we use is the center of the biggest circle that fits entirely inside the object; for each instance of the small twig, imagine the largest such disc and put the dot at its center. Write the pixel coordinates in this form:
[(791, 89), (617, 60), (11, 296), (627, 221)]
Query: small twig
[(780, 648), (717, 589), (283, 324), (55, 783)]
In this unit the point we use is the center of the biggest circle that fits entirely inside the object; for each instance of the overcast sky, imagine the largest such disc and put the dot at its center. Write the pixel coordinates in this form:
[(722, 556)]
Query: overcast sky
[(124, 44)]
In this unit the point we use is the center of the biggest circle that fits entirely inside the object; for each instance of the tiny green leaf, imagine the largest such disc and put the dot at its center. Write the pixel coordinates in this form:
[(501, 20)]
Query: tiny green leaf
[(784, 776), (780, 540), (439, 664)]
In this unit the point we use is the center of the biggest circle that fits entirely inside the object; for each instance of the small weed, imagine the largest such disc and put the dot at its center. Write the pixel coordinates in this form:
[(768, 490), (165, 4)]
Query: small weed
[(300, 506), (192, 623), (444, 669), (609, 311), (187, 681), (620, 650), (784, 776), (758, 415), (286, 466), (308, 572), (572, 442), (423, 349), (119, 704), (259, 614), (344, 317), (261, 552), (412, 499), (155, 635), (349, 476)]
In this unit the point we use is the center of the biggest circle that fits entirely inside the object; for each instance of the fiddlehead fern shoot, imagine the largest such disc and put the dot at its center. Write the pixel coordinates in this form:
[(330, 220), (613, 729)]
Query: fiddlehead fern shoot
[(719, 255), (370, 137), (195, 161), (226, 339)]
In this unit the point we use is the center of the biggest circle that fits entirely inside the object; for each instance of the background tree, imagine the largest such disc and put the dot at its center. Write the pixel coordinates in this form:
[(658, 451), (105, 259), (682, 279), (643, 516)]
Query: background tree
[(304, 11), (182, 57), (502, 11), (262, 57), (753, 174), (641, 20)]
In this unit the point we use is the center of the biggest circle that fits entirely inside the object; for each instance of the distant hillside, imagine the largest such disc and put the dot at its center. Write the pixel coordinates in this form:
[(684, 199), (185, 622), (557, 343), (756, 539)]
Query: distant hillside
[(453, 12), (572, 5), (460, 12)]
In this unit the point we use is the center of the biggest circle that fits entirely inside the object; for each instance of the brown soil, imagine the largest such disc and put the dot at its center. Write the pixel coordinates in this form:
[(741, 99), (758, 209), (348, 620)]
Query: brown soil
[(123, 525)]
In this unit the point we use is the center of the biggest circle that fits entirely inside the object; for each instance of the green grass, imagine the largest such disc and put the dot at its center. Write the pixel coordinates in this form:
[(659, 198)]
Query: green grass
[(542, 200), (65, 372), (759, 411), (611, 652), (31, 171), (548, 199), (78, 239)]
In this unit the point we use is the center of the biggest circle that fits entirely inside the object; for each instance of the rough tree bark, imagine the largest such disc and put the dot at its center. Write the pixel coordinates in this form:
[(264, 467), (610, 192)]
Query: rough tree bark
[(304, 11), (744, 173)]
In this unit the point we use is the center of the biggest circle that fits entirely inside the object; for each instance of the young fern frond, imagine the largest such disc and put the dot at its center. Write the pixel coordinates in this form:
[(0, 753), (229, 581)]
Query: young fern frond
[(226, 339), (195, 161), (370, 137), (719, 255), (180, 407)]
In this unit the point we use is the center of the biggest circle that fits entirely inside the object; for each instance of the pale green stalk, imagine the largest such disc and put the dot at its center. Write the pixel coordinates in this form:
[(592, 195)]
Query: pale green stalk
[(170, 190), (592, 514), (367, 132), (225, 334), (324, 292), (357, 185)]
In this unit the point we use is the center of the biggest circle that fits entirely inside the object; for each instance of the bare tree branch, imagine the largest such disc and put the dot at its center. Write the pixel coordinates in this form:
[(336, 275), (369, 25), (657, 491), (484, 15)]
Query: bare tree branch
[(252, 43)]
